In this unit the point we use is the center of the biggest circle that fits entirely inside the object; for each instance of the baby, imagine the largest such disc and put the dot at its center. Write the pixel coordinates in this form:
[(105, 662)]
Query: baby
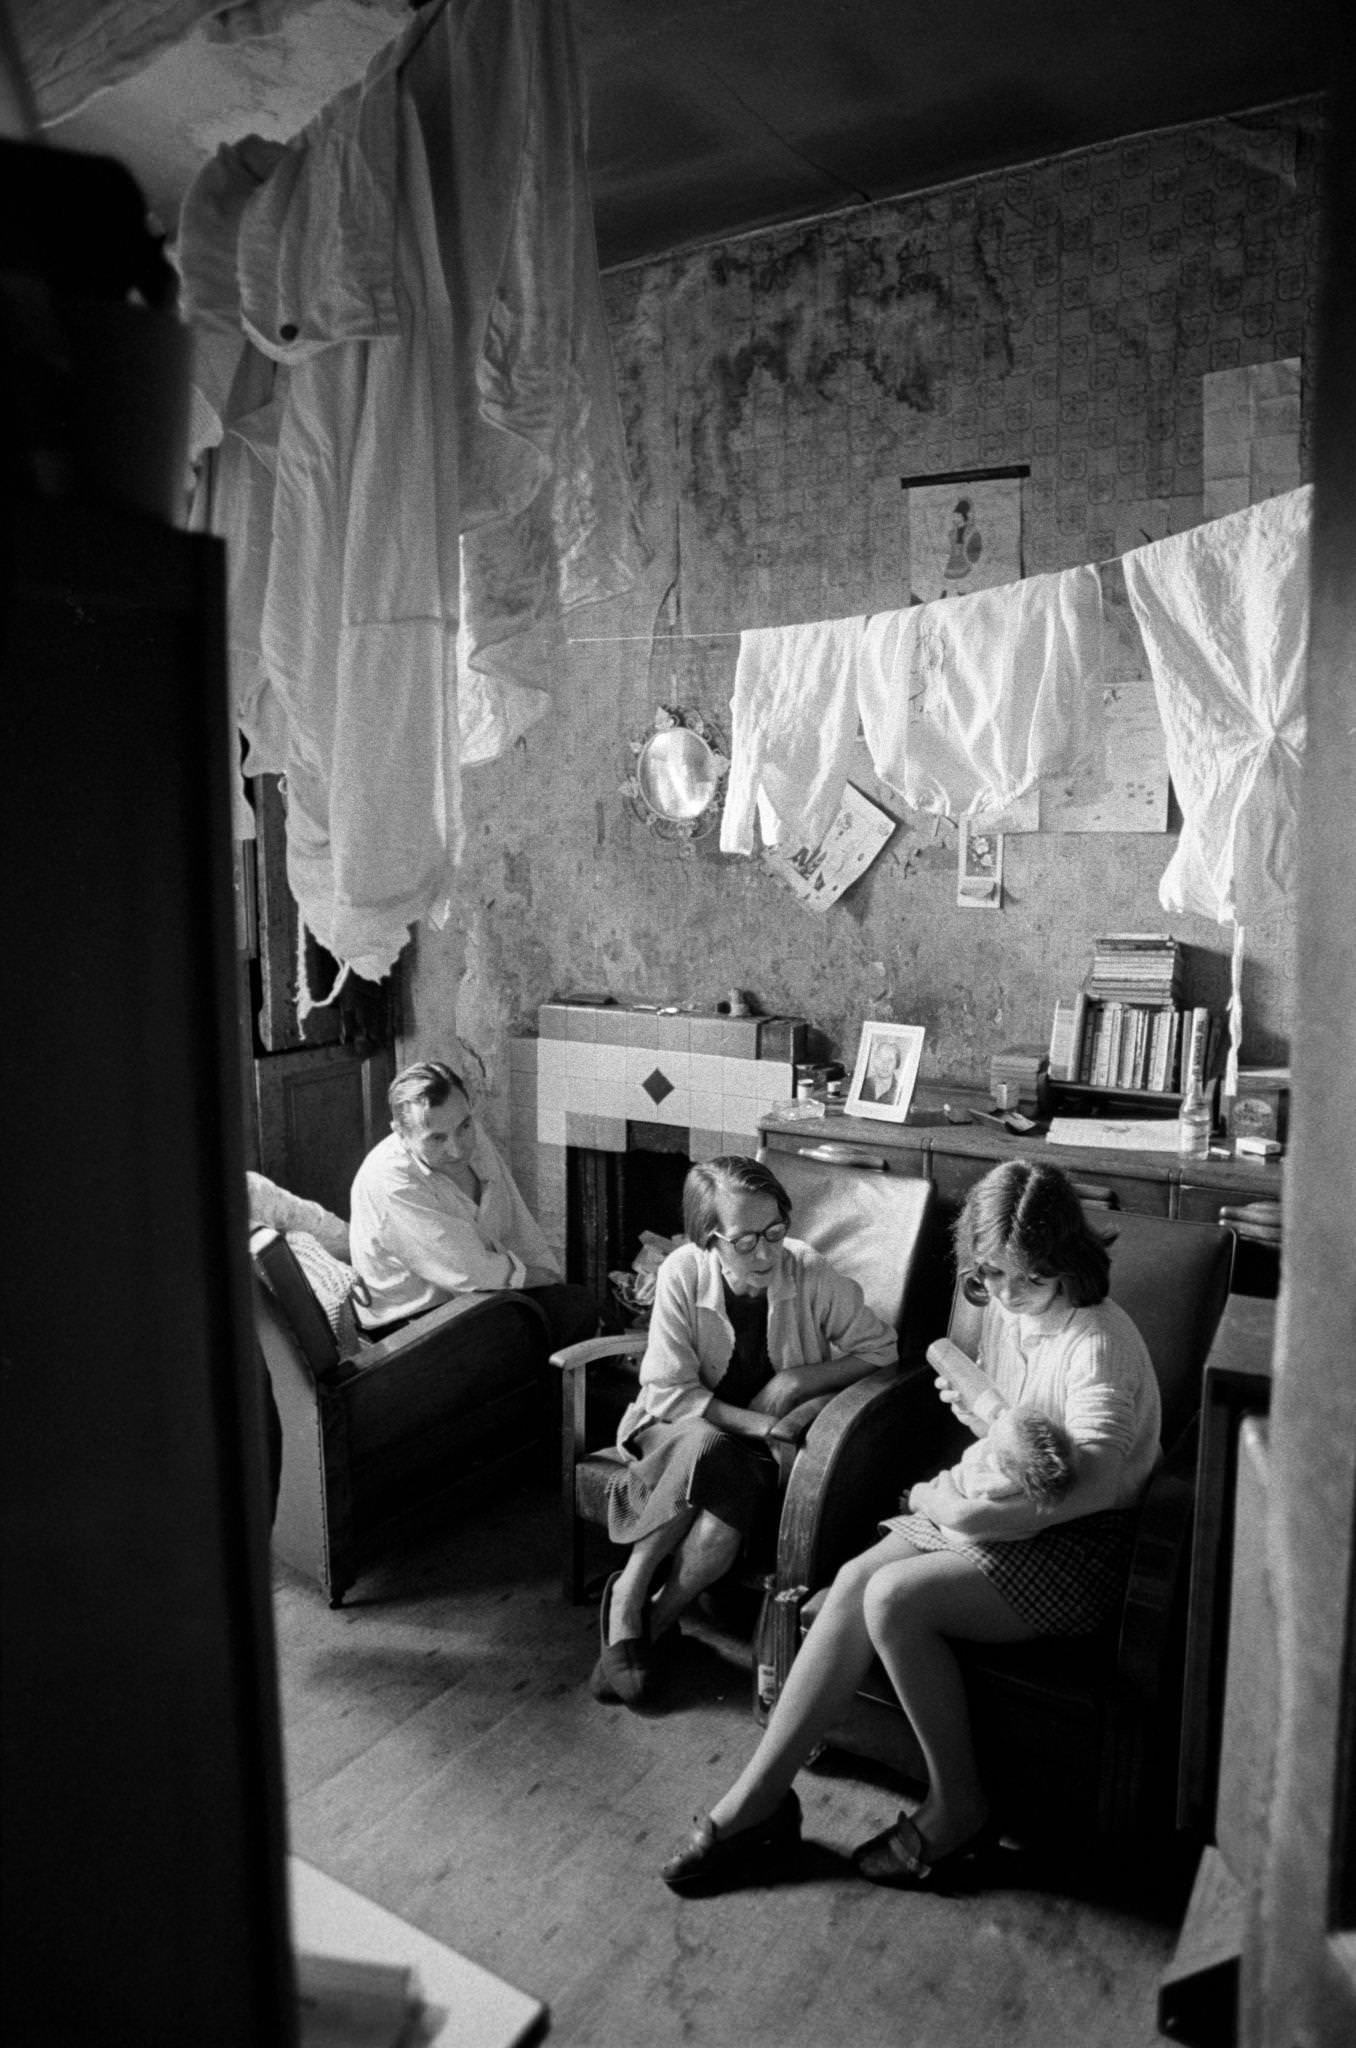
[(1025, 1455)]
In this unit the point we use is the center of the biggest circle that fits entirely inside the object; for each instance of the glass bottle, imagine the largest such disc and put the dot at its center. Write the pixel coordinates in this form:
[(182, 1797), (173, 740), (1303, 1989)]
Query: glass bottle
[(1193, 1131)]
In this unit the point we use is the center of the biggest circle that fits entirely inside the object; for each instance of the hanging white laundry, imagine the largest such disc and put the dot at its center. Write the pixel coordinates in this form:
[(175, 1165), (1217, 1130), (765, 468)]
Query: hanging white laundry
[(793, 720), (1224, 611), (969, 702), (440, 458)]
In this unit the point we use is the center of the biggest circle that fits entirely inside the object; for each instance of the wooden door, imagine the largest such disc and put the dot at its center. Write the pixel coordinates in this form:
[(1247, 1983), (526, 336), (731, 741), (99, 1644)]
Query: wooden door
[(318, 1099)]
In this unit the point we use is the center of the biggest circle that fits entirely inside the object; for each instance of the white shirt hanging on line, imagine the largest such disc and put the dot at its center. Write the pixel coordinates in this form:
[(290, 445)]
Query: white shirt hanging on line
[(793, 721), (969, 702), (1224, 612), (437, 472)]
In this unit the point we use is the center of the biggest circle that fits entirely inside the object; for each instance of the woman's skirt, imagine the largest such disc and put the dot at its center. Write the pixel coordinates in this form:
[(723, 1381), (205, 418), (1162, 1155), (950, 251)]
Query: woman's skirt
[(688, 1465), (1064, 1582)]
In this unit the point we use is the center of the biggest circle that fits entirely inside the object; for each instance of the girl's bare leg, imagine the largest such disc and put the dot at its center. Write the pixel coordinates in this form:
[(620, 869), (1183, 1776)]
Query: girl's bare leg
[(829, 1666), (909, 1611)]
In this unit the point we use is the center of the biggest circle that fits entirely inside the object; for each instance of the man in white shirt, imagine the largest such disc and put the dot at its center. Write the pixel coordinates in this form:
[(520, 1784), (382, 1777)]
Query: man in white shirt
[(435, 1213)]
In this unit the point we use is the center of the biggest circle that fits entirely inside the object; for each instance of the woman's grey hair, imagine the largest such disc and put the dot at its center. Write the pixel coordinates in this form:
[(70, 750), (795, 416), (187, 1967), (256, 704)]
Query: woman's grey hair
[(730, 1175)]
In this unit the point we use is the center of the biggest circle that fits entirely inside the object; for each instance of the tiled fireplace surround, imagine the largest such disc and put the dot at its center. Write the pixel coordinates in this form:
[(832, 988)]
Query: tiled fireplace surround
[(591, 1072)]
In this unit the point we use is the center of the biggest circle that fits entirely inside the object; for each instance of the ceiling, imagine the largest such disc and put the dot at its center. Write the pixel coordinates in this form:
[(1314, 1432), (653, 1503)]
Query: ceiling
[(707, 117)]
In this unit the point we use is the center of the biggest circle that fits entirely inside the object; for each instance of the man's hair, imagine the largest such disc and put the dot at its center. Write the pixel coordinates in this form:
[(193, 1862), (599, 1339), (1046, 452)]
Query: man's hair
[(428, 1083), (731, 1175)]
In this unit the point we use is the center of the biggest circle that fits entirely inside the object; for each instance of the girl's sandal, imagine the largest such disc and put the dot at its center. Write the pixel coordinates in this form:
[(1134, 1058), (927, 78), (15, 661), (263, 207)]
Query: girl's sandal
[(899, 1856)]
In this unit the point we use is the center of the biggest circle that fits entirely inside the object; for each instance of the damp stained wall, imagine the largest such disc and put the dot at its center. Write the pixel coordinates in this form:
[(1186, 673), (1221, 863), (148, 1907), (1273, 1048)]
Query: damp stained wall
[(776, 389)]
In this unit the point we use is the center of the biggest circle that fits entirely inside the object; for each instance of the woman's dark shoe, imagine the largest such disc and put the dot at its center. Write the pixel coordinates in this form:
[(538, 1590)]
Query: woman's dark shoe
[(710, 1862), (900, 1856), (623, 1669)]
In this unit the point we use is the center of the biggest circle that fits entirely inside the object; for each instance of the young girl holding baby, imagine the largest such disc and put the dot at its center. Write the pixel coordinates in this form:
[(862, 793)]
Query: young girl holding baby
[(982, 1564)]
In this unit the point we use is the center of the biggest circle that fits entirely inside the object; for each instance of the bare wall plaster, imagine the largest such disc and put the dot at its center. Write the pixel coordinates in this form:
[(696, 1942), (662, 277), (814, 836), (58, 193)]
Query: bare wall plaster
[(776, 390)]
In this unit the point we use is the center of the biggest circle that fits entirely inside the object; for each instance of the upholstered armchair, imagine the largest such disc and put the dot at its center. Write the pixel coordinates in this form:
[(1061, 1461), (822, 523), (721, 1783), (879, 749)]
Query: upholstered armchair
[(872, 1225), (1077, 1738), (379, 1438)]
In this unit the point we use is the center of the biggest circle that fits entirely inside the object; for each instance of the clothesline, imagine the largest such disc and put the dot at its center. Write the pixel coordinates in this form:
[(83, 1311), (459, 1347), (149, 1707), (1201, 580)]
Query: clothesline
[(724, 632), (667, 639)]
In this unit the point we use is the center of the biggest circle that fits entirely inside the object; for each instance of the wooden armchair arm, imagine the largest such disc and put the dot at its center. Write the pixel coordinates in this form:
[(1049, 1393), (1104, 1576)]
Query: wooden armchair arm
[(573, 1363), (867, 1446), (626, 1344)]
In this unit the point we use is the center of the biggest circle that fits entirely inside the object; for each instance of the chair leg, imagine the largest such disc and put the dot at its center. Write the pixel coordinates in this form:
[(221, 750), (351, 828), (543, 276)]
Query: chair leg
[(574, 1558)]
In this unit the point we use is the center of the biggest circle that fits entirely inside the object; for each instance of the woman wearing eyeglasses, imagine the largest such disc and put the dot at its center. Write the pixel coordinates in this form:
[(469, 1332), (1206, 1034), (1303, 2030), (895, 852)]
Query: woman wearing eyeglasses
[(750, 1334), (987, 1571)]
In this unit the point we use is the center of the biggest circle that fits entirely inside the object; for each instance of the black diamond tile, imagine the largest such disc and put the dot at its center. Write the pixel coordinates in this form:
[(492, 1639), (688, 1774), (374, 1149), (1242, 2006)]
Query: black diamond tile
[(657, 1086)]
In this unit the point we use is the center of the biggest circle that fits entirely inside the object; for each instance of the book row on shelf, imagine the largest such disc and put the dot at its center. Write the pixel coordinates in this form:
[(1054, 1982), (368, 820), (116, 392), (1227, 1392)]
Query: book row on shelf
[(1135, 1047)]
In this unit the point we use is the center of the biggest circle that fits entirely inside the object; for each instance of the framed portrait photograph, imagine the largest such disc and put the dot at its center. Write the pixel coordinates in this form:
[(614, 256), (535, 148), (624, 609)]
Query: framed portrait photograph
[(884, 1077)]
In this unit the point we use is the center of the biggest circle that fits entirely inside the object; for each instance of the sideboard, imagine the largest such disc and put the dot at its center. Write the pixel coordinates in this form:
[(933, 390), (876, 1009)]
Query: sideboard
[(955, 1155)]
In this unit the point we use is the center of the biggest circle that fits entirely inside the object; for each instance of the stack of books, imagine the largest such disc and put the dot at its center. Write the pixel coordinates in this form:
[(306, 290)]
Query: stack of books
[(1137, 967), (1125, 1031), (1015, 1075)]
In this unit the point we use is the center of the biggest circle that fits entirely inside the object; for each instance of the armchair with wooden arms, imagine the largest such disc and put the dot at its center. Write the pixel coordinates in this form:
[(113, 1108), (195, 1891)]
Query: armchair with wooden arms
[(872, 1225), (436, 1416), (1077, 1738)]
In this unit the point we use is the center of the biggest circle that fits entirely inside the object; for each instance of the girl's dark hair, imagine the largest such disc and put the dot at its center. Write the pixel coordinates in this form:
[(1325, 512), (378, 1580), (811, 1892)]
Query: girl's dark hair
[(427, 1083), (1032, 1214), (731, 1175)]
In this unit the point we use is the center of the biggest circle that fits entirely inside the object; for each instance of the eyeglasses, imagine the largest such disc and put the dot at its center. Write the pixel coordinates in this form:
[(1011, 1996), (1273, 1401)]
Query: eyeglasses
[(1018, 1283), (748, 1240)]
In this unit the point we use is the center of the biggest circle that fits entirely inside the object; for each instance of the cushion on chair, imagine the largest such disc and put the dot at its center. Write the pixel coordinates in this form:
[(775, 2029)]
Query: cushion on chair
[(276, 1264), (333, 1284), (593, 1477)]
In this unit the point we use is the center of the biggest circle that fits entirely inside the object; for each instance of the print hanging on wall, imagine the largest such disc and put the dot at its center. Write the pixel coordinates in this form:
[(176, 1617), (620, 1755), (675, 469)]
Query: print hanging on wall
[(965, 533), (818, 875)]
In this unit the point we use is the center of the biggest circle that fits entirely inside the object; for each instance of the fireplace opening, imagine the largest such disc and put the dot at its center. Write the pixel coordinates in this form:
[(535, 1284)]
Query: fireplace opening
[(614, 1196)]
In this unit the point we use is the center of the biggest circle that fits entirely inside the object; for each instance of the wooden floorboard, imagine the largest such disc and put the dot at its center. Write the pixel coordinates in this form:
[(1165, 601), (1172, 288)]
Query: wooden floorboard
[(445, 1758)]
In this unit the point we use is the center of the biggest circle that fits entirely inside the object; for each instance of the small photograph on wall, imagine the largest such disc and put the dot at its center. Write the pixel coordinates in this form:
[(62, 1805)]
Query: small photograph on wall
[(979, 878), (964, 536), (886, 1072)]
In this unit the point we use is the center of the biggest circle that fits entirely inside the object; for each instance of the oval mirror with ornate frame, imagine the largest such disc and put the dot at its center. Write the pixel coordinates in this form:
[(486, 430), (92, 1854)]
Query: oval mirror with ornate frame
[(678, 786)]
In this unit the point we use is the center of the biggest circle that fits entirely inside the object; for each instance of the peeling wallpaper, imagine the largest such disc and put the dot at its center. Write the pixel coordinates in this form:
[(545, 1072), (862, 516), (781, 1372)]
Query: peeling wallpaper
[(776, 391)]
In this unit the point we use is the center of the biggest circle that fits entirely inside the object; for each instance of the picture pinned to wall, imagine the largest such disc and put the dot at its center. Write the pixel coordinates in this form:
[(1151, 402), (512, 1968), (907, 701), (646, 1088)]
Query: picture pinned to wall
[(818, 875), (965, 533), (886, 1072), (979, 877)]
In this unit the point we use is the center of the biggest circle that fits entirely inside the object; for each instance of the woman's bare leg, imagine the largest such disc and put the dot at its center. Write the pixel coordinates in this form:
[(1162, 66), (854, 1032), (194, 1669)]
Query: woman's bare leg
[(631, 1591), (909, 1611), (829, 1666), (704, 1555)]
